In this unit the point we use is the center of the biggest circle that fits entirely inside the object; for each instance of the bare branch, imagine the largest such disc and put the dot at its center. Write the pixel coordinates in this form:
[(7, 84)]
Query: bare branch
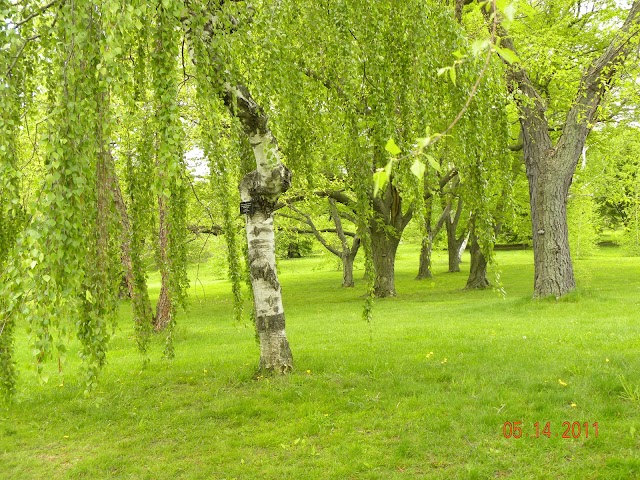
[(36, 13), (315, 231)]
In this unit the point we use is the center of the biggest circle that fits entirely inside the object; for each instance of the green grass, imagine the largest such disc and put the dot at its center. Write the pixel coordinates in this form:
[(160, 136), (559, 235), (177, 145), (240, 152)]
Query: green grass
[(422, 392)]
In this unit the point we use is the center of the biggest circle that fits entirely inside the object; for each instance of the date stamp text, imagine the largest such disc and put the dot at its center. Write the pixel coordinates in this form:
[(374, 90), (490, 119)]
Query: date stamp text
[(519, 429)]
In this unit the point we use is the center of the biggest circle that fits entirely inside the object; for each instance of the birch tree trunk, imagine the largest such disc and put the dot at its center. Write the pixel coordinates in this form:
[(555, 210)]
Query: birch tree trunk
[(259, 192)]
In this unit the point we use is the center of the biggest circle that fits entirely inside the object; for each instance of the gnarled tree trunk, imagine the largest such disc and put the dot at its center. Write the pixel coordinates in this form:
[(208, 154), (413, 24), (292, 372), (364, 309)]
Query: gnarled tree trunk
[(548, 191), (478, 270)]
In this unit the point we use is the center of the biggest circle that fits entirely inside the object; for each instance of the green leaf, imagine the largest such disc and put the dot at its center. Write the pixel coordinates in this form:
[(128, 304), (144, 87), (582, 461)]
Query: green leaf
[(46, 278), (509, 56), (510, 11), (452, 75), (479, 46), (88, 296), (388, 167), (423, 142), (380, 179), (442, 70), (434, 164), (392, 148), (527, 9), (418, 168)]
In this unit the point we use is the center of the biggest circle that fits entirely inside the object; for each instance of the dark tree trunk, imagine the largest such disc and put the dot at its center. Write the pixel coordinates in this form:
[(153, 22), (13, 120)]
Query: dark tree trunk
[(452, 250), (424, 270), (293, 251), (163, 309), (135, 281), (345, 253), (383, 248), (424, 267), (347, 271), (347, 263), (454, 242), (552, 259), (386, 228), (478, 270)]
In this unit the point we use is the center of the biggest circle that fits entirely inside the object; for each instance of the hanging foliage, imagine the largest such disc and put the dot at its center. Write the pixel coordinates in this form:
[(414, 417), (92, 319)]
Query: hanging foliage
[(64, 274)]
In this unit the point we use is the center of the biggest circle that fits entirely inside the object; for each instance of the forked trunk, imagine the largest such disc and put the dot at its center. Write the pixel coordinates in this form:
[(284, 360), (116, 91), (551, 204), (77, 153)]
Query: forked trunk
[(424, 270), (386, 227), (550, 167)]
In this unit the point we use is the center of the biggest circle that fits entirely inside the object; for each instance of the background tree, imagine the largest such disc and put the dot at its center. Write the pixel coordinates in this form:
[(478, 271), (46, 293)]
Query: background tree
[(342, 248), (550, 161)]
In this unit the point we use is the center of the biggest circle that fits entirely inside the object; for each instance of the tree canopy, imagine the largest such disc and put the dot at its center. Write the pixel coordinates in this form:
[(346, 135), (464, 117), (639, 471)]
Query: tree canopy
[(386, 110)]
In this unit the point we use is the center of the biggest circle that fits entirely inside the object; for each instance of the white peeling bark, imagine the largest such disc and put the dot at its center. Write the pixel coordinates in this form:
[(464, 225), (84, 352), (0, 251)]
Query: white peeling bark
[(261, 188)]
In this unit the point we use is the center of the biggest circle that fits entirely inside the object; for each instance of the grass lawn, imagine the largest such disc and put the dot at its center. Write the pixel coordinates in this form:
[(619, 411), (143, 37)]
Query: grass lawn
[(422, 392)]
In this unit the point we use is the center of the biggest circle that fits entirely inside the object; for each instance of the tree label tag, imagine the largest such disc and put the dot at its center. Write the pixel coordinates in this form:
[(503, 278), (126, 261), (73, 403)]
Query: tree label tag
[(247, 208)]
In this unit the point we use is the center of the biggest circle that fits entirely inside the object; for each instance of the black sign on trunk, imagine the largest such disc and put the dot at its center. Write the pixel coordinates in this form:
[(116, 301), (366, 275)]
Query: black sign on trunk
[(247, 208)]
